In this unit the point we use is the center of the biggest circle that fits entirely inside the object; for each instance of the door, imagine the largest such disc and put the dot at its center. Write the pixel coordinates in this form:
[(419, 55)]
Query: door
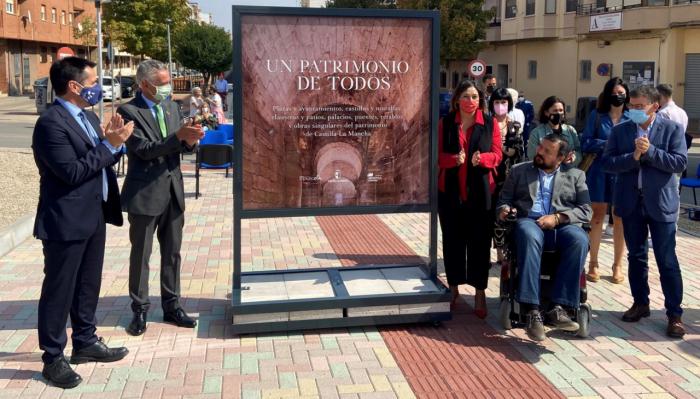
[(502, 75), (691, 100)]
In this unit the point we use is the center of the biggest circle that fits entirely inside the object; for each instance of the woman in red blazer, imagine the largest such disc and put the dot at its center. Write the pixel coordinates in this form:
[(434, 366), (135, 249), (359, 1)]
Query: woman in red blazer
[(469, 146)]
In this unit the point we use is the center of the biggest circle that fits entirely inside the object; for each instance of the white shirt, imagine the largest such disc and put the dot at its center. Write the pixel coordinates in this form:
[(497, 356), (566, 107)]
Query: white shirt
[(195, 103), (675, 113), (517, 115)]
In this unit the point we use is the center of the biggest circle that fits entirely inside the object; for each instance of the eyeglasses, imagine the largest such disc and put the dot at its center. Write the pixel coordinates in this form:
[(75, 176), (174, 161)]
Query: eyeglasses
[(638, 106)]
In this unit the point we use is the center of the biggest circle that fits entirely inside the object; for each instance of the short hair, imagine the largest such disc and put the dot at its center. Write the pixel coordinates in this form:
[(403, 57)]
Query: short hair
[(603, 106), (147, 70), (646, 91), (513, 94), (67, 69), (547, 104), (195, 88), (665, 90), (558, 139), (487, 77), (461, 88), (500, 94)]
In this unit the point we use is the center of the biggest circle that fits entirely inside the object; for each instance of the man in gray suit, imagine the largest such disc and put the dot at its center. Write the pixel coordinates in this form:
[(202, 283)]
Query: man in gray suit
[(153, 193), (551, 202)]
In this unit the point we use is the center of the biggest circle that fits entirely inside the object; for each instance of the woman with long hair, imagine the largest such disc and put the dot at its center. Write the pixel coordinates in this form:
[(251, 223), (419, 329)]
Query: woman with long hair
[(552, 117), (469, 146), (611, 110)]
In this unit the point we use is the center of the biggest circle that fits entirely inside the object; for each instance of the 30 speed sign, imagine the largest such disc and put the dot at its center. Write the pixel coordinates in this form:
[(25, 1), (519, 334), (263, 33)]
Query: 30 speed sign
[(477, 68)]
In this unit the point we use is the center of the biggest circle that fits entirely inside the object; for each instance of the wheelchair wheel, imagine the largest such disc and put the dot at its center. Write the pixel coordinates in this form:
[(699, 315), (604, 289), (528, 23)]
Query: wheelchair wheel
[(584, 320), (504, 314)]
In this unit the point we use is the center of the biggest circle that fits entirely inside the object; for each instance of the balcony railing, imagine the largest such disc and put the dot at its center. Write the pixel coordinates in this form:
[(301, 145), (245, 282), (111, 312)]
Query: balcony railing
[(495, 22), (590, 9)]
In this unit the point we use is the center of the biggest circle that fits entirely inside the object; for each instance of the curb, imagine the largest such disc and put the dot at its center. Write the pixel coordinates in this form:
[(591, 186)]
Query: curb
[(15, 234)]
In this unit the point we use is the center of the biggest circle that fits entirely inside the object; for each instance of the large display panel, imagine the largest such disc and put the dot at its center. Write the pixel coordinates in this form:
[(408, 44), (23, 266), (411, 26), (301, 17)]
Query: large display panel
[(336, 111)]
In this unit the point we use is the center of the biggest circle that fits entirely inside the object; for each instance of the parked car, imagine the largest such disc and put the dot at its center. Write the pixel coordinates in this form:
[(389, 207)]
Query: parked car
[(111, 87), (129, 86)]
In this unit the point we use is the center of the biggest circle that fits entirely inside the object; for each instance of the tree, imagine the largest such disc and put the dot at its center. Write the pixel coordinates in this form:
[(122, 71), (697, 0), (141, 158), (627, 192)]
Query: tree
[(462, 24), (86, 32), (205, 48), (361, 4), (140, 26)]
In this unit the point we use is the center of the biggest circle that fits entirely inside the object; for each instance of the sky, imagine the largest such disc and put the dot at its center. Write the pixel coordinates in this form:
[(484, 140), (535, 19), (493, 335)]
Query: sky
[(221, 9)]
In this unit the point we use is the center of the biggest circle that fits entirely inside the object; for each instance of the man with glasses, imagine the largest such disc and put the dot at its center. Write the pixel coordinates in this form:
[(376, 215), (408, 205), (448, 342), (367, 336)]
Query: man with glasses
[(645, 152)]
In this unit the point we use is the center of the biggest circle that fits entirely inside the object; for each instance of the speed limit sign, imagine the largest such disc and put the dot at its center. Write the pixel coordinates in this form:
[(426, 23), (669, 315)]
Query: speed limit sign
[(477, 68)]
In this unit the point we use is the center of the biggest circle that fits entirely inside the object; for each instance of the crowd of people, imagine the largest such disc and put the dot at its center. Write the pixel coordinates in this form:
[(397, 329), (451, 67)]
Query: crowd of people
[(494, 162)]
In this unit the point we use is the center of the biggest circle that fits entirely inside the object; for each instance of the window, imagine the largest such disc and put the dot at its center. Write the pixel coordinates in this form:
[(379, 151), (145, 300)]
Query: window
[(600, 3), (511, 8), (443, 79), (43, 13), (54, 52), (70, 18), (53, 15), (455, 79), (571, 5), (26, 76), (10, 6), (585, 73), (532, 69), (530, 7), (44, 55), (550, 7), (63, 17)]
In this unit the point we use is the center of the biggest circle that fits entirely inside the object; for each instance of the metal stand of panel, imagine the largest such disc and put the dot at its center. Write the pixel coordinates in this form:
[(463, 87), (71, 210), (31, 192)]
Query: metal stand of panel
[(367, 295)]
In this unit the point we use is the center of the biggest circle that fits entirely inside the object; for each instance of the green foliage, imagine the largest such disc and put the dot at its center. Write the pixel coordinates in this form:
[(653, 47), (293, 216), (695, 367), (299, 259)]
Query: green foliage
[(86, 32), (361, 4), (140, 26), (205, 48)]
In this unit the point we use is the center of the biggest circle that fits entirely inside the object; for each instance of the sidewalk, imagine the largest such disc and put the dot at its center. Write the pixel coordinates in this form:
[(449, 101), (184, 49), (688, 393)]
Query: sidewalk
[(466, 357)]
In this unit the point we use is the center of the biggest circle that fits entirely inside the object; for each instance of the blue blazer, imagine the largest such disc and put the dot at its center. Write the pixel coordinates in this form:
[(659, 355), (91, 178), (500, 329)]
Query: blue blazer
[(667, 155), (70, 169)]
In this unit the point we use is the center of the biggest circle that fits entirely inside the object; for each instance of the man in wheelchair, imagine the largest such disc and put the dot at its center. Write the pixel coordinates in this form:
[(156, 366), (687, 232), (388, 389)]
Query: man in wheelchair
[(551, 203)]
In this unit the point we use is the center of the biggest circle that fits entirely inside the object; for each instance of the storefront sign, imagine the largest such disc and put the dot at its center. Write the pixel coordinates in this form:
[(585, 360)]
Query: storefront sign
[(336, 111), (605, 22)]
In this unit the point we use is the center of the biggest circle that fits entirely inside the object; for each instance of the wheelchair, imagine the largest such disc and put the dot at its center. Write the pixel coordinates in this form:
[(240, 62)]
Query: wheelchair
[(509, 311)]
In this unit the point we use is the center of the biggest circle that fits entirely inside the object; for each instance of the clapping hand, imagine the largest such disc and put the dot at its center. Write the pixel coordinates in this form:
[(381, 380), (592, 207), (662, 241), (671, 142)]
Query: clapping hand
[(476, 158), (461, 157), (190, 134), (116, 132)]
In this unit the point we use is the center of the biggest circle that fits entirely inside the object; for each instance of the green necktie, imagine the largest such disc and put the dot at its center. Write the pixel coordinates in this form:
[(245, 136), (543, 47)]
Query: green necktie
[(161, 120)]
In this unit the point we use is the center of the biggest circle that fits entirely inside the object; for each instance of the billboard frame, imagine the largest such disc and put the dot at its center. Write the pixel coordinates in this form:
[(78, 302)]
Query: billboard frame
[(342, 298)]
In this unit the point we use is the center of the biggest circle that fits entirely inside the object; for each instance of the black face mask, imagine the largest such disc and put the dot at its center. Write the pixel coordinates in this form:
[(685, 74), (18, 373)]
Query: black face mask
[(490, 89), (556, 118), (617, 100)]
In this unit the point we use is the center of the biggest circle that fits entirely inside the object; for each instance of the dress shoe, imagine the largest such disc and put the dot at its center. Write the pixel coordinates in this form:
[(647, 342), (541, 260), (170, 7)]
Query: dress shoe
[(675, 327), (60, 374), (98, 352), (635, 313), (179, 318), (138, 324)]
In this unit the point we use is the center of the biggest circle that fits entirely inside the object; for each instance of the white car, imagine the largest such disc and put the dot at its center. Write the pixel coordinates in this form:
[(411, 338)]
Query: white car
[(110, 87)]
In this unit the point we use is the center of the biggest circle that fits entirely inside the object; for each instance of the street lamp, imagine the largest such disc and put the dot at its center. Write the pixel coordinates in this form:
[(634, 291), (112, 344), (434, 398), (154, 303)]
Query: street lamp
[(170, 57), (98, 11)]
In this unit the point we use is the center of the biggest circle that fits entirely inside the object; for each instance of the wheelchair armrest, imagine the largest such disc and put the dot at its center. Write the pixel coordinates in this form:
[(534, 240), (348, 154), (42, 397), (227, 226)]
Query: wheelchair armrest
[(586, 227)]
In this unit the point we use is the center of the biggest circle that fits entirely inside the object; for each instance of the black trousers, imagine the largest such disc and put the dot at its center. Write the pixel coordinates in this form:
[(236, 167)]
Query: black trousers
[(467, 231), (72, 279), (168, 227)]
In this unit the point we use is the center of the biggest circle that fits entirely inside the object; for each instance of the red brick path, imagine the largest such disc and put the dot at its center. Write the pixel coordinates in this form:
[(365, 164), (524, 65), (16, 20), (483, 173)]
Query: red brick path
[(465, 357)]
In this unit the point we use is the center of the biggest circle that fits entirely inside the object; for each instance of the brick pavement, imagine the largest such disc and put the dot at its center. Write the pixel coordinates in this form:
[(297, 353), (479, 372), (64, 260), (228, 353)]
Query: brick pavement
[(620, 360)]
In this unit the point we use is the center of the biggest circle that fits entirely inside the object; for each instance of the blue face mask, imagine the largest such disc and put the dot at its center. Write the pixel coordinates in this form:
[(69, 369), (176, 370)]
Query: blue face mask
[(638, 116), (92, 95)]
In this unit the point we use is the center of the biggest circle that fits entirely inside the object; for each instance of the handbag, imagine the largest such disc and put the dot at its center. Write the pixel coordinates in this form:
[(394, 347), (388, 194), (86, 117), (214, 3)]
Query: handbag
[(589, 157)]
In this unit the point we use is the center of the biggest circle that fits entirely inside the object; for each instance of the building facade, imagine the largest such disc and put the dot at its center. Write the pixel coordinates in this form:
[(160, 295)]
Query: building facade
[(570, 48), (31, 32), (312, 3)]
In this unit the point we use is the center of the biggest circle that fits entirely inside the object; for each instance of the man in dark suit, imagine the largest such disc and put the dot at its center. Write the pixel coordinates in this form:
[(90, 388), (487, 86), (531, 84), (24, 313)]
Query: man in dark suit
[(78, 195), (645, 152), (153, 193), (552, 203)]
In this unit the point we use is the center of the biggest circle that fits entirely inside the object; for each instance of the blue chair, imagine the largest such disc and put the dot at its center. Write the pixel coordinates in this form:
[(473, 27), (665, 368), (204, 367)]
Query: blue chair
[(216, 156), (227, 128), (213, 137), (692, 182)]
